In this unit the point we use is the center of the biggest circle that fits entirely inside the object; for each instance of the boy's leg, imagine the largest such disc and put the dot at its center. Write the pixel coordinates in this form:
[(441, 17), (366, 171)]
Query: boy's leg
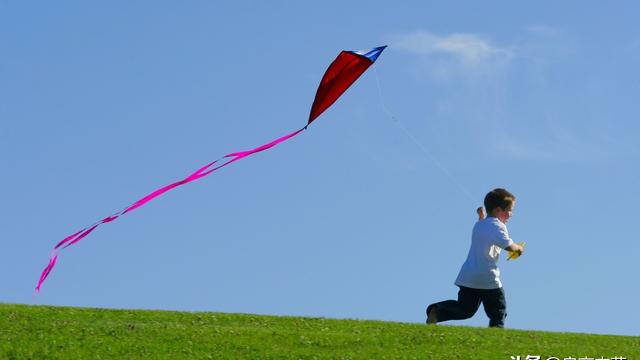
[(463, 308), (495, 306)]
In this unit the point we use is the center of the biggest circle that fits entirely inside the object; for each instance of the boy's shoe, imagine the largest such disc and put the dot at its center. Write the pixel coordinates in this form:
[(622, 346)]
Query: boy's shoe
[(432, 316)]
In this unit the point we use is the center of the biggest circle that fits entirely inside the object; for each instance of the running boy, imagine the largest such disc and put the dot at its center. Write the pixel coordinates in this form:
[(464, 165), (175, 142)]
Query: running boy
[(479, 277)]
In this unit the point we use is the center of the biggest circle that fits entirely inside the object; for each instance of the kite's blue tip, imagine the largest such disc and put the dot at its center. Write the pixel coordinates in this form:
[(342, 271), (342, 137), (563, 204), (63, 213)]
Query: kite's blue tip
[(372, 54)]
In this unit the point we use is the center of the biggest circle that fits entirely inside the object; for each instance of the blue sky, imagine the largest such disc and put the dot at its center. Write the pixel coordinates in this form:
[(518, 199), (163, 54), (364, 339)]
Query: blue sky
[(102, 103)]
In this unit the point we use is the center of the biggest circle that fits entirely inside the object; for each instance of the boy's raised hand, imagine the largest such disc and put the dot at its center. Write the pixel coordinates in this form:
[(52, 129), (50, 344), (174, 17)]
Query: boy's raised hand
[(480, 212)]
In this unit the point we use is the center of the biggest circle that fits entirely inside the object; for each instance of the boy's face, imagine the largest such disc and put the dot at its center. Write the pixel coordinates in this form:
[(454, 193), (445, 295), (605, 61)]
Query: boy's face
[(504, 215)]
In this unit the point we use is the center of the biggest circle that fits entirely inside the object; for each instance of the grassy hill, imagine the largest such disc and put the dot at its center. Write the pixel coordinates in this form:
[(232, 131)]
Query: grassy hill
[(44, 332)]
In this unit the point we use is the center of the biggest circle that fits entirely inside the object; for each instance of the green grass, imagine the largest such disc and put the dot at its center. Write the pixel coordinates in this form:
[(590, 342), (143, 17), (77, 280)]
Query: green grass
[(44, 332)]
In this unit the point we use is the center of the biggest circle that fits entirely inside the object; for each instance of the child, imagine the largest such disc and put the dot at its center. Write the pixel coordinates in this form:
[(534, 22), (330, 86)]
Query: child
[(479, 277)]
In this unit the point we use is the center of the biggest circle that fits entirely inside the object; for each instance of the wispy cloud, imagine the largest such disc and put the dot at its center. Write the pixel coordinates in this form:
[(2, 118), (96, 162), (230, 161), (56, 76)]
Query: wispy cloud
[(470, 48), (454, 57), (478, 77)]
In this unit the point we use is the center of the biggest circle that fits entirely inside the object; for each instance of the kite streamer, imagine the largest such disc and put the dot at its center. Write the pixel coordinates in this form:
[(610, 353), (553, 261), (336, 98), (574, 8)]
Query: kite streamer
[(341, 74)]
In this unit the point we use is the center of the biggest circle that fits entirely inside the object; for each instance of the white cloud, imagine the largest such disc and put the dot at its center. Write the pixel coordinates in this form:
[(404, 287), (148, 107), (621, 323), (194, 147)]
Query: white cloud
[(470, 48), (507, 92), (456, 57)]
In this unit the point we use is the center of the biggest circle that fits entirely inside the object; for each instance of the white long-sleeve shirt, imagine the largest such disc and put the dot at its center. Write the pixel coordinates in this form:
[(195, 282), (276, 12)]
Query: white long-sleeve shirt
[(480, 270)]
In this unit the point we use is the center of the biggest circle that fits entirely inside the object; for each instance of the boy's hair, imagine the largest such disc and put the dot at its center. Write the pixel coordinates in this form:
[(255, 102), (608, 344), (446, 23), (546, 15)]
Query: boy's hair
[(498, 198)]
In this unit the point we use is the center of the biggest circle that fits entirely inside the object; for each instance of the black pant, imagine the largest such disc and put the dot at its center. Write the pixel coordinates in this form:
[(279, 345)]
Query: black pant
[(493, 300)]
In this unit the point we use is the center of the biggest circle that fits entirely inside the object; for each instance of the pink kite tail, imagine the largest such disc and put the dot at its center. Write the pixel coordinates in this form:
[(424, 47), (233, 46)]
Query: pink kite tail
[(67, 239), (46, 271), (200, 173), (275, 142), (84, 233), (195, 176)]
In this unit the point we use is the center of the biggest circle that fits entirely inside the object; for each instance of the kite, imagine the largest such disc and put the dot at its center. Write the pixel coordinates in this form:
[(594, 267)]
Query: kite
[(341, 74)]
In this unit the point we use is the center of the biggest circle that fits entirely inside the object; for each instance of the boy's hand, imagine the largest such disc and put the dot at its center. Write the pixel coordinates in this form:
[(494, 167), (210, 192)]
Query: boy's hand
[(480, 212), (515, 250)]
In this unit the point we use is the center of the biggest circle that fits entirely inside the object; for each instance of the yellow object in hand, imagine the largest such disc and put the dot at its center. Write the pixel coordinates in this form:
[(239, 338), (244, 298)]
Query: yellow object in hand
[(514, 254)]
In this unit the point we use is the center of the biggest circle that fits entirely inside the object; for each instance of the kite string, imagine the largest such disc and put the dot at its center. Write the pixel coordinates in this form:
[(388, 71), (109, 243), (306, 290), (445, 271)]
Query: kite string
[(415, 141)]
